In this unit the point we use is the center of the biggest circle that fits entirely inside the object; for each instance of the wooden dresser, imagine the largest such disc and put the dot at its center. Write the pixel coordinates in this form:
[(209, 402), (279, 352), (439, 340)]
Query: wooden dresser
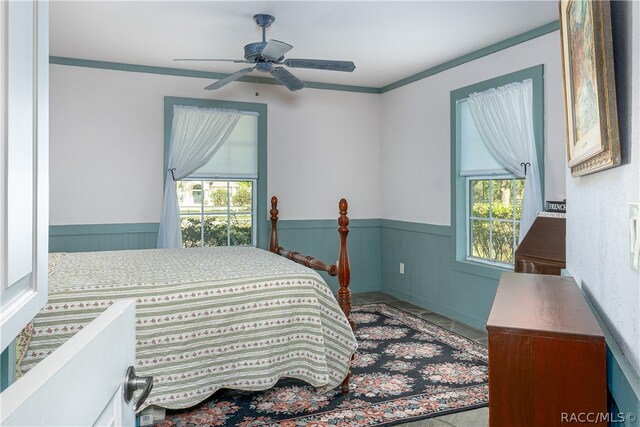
[(543, 249), (547, 354)]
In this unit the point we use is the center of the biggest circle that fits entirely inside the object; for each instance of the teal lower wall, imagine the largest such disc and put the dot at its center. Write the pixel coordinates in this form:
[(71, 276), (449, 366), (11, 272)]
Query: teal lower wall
[(102, 237), (429, 278), (8, 366), (320, 239)]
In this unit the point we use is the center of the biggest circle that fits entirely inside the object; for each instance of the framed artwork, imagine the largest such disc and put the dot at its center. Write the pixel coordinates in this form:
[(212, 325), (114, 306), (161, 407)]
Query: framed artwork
[(591, 115)]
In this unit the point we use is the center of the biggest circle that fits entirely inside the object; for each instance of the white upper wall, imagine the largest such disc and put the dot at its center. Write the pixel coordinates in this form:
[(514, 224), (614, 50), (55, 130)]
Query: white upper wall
[(107, 136), (389, 154), (598, 211), (416, 142)]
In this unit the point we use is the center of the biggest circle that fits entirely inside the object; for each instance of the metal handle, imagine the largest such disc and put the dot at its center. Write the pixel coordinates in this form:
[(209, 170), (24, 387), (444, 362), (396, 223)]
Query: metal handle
[(132, 383)]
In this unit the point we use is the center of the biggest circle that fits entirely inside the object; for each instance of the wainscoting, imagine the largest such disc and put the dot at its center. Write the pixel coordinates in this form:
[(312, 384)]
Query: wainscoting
[(320, 239), (430, 279), (102, 237)]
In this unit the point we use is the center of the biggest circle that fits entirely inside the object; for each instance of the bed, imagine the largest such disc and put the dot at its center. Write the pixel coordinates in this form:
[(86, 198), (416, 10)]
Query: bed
[(209, 318)]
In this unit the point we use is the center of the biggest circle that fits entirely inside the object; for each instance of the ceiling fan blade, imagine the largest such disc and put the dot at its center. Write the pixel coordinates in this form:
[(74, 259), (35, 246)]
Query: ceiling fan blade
[(286, 78), (230, 78), (275, 49), (321, 64), (240, 61)]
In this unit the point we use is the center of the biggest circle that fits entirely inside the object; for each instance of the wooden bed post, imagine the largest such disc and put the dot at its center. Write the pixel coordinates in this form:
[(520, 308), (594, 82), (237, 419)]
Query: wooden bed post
[(273, 243), (344, 275), (342, 269)]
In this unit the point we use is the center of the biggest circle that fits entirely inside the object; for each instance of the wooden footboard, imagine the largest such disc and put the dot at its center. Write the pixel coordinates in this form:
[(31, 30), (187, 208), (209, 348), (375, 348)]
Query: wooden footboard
[(342, 269)]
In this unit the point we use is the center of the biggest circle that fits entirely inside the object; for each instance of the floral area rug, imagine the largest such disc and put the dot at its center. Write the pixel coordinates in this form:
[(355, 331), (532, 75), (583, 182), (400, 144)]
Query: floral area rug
[(406, 368)]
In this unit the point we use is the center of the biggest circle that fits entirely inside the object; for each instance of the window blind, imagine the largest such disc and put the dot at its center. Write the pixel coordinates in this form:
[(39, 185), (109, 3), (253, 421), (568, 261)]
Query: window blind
[(476, 159), (238, 156)]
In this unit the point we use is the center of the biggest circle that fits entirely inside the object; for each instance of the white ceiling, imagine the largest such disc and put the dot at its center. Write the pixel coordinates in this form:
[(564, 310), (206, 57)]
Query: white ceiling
[(387, 40)]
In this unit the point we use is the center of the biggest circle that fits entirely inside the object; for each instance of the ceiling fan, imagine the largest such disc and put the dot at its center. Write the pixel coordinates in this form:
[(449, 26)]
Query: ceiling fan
[(268, 55)]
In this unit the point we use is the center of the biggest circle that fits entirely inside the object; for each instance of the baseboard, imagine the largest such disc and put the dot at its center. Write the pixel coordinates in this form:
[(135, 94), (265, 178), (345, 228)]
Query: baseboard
[(437, 308), (354, 288)]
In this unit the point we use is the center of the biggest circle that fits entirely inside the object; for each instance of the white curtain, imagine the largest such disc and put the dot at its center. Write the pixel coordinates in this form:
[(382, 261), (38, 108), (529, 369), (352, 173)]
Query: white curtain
[(196, 134), (504, 118)]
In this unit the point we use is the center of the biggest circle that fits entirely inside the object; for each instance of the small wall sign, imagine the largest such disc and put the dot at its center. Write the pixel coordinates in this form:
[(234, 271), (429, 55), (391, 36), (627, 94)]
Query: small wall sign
[(555, 206)]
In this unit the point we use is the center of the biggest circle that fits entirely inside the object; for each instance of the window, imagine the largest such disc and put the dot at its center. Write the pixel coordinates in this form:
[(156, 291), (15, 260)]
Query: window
[(217, 213), (486, 197), (219, 202), (493, 195), (493, 223), (216, 201)]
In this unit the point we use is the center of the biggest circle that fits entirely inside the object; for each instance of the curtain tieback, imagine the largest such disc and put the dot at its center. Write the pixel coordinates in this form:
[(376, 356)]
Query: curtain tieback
[(523, 164), (172, 170)]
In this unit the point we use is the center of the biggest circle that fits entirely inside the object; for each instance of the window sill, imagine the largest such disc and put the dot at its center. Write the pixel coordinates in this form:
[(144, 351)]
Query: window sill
[(479, 269)]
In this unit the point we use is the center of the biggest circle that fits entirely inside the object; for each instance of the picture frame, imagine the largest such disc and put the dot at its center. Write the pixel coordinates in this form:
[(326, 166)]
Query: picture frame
[(591, 114)]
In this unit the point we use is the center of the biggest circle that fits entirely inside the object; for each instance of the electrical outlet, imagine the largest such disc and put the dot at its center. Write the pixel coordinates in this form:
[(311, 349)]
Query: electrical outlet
[(401, 268), (634, 235), (150, 415), (146, 420)]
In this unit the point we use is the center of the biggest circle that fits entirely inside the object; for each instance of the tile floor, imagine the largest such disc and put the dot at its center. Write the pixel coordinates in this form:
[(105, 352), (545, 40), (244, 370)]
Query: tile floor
[(472, 418)]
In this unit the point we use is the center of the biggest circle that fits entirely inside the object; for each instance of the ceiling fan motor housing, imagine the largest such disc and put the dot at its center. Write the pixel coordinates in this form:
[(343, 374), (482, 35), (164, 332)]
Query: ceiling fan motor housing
[(263, 19)]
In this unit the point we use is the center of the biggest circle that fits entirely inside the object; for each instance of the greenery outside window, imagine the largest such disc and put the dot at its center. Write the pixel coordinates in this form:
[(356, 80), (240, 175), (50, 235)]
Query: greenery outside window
[(217, 212), (494, 207)]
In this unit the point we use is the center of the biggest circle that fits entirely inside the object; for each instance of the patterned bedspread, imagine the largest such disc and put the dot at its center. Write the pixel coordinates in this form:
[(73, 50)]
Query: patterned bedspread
[(207, 318)]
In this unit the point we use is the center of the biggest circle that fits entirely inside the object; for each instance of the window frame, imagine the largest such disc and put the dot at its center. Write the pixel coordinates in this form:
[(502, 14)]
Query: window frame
[(459, 261), (260, 224)]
